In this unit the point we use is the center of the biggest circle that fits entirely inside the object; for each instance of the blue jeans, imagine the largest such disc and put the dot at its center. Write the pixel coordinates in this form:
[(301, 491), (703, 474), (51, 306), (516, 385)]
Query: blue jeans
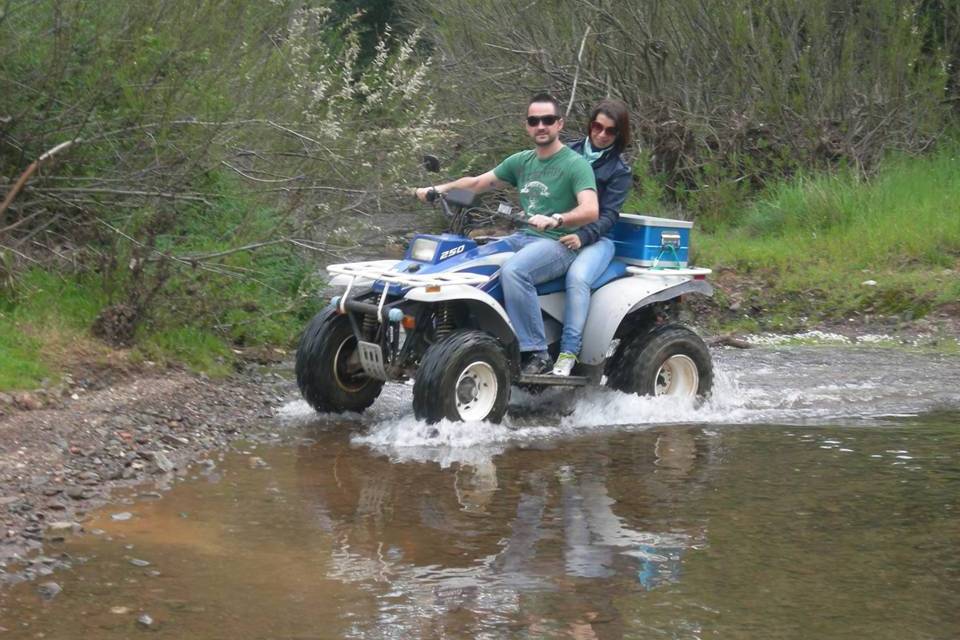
[(537, 260), (591, 261)]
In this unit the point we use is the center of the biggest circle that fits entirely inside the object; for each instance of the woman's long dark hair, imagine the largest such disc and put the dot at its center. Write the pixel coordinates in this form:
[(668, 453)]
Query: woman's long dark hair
[(617, 111)]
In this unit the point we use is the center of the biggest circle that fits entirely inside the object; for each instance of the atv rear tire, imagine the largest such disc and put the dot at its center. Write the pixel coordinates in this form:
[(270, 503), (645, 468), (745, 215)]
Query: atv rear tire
[(463, 377), (329, 373), (669, 360)]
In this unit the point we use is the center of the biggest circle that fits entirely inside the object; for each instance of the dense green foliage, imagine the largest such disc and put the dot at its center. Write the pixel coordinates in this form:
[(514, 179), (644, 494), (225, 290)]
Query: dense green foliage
[(211, 153), (814, 240), (725, 95)]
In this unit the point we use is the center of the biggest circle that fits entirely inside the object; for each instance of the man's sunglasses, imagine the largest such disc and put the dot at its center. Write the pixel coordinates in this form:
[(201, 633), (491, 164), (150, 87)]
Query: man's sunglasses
[(597, 128), (548, 121)]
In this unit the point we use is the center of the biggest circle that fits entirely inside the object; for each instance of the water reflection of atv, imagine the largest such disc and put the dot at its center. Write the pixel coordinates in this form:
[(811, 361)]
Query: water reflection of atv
[(437, 317)]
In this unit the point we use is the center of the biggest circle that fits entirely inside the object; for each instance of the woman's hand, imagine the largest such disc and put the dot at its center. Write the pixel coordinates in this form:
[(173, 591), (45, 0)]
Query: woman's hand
[(571, 241)]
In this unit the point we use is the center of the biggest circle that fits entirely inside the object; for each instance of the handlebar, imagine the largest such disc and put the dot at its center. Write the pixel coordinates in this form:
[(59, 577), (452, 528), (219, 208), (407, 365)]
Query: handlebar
[(504, 211)]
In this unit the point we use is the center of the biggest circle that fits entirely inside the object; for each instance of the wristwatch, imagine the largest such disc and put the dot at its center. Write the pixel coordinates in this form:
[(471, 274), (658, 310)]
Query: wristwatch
[(559, 218)]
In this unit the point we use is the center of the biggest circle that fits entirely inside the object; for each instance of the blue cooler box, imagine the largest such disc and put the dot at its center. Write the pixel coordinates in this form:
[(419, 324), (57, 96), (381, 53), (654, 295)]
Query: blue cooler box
[(647, 241)]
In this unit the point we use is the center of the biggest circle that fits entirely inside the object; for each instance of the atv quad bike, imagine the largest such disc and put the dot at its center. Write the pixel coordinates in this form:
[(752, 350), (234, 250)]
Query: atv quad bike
[(437, 317)]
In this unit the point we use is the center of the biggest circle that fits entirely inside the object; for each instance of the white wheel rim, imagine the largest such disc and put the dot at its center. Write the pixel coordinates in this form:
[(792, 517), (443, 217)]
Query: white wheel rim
[(677, 376), (352, 366), (476, 391)]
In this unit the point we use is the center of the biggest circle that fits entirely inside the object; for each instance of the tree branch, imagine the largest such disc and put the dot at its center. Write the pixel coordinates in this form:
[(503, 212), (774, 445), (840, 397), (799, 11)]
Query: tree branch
[(22, 180)]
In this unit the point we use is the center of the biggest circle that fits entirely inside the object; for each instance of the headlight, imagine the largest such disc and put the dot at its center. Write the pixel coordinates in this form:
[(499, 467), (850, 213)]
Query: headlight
[(423, 250)]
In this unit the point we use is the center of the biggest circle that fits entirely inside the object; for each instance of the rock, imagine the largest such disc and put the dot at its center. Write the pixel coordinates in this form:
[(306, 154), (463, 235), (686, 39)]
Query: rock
[(256, 462), (730, 341), (145, 621), (120, 610), (20, 505), (63, 525), (49, 590), (163, 462), (122, 516), (27, 401), (176, 441), (137, 562), (75, 492), (89, 478)]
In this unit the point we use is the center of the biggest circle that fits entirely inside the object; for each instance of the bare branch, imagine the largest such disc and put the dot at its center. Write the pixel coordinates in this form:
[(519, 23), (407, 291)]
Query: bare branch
[(25, 176), (576, 75), (125, 192), (249, 177)]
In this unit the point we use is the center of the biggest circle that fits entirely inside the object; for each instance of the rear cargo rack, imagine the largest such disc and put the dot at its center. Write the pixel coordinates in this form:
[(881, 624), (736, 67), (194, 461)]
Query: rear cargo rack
[(688, 272)]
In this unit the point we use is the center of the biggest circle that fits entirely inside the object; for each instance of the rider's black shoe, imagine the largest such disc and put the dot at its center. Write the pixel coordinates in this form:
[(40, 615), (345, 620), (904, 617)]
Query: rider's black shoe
[(537, 363)]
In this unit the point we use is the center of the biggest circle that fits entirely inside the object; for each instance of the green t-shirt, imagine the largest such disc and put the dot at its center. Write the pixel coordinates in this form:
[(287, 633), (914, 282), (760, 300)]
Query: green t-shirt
[(547, 186)]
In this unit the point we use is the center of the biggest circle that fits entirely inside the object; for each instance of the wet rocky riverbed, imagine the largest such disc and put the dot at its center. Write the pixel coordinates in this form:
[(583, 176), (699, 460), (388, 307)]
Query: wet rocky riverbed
[(816, 495)]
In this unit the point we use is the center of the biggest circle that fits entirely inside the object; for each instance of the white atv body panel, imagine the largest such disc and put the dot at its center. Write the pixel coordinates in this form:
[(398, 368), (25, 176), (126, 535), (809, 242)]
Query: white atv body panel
[(610, 304), (458, 292)]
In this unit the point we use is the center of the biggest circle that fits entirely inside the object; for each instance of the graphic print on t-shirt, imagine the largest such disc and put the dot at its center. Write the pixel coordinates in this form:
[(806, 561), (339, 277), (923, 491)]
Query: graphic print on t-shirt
[(535, 191)]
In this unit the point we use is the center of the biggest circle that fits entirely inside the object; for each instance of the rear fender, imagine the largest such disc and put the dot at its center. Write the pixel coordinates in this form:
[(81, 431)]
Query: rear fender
[(610, 304)]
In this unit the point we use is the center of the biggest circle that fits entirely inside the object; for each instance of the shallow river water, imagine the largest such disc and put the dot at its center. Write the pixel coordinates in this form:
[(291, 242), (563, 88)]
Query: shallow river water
[(816, 496)]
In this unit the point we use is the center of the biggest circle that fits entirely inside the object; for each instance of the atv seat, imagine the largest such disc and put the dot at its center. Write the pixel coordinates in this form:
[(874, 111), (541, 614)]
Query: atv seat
[(615, 270)]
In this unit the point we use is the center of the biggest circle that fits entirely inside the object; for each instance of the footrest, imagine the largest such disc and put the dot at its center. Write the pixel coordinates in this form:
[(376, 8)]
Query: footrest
[(547, 379)]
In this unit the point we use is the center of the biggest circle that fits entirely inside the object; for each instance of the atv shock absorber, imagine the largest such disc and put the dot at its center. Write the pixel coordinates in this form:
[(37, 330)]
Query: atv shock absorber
[(369, 327), (444, 321)]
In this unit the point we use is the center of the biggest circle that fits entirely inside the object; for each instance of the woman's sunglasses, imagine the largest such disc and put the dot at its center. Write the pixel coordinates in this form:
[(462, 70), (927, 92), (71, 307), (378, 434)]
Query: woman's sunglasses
[(597, 128), (548, 121)]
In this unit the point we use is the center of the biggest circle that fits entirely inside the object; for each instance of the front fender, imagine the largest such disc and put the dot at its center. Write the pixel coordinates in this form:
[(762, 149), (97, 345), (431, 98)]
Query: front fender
[(610, 304), (488, 312)]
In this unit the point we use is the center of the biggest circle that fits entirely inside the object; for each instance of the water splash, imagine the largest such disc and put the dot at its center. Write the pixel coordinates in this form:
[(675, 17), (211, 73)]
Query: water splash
[(794, 386)]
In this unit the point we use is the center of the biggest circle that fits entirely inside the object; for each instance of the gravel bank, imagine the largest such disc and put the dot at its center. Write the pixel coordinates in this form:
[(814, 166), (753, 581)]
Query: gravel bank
[(64, 452)]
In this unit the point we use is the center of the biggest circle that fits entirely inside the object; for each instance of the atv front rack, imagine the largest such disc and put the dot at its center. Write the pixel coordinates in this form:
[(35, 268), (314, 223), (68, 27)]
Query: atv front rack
[(377, 272)]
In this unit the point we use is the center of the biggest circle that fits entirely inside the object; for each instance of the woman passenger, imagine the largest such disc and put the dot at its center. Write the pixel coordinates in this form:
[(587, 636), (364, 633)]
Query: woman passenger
[(608, 134)]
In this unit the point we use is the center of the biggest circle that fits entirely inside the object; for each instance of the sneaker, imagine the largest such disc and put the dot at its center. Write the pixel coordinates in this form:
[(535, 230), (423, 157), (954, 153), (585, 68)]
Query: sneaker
[(564, 364), (537, 363)]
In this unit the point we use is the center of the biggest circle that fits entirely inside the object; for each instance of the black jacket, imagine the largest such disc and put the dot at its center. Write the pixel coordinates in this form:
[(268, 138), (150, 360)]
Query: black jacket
[(614, 180)]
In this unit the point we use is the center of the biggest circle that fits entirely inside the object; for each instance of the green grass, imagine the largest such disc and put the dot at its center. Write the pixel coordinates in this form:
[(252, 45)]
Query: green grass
[(20, 365), (46, 300), (817, 239), (255, 298), (198, 349), (265, 301), (45, 313)]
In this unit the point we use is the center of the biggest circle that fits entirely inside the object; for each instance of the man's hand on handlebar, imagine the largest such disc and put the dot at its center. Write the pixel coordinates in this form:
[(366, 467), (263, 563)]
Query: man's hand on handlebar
[(542, 222), (426, 194)]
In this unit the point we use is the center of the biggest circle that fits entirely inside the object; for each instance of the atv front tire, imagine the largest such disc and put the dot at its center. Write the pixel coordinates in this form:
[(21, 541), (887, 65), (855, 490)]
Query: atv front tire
[(670, 360), (463, 377), (329, 373)]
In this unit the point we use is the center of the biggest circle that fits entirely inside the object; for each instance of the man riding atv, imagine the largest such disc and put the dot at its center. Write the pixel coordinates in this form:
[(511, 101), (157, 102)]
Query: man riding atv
[(558, 192), (439, 316)]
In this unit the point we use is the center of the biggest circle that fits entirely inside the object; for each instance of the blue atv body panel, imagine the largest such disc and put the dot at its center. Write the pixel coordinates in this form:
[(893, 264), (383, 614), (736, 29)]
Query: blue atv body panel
[(457, 253)]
